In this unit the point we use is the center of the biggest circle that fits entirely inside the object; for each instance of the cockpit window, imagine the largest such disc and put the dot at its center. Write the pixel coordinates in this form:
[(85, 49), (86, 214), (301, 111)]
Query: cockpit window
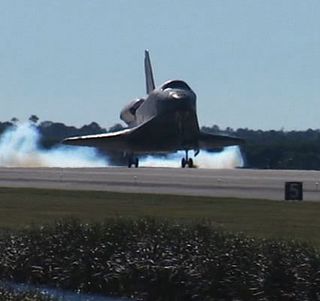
[(136, 105), (176, 84)]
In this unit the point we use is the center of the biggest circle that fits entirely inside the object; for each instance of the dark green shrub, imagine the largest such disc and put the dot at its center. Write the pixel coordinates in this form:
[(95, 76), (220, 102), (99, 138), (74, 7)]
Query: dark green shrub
[(158, 260)]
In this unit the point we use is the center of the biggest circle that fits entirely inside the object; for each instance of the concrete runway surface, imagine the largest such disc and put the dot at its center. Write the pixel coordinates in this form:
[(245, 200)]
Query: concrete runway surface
[(240, 183)]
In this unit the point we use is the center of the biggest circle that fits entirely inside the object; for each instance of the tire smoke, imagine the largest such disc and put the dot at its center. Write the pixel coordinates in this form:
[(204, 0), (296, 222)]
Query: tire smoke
[(229, 158), (19, 147)]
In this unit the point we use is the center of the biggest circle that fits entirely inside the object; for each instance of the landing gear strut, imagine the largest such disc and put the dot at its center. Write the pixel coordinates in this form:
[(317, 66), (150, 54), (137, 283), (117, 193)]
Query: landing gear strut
[(186, 161), (133, 161)]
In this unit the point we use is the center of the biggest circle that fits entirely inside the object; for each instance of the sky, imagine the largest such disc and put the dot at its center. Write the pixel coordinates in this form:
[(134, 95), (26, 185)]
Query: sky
[(252, 63)]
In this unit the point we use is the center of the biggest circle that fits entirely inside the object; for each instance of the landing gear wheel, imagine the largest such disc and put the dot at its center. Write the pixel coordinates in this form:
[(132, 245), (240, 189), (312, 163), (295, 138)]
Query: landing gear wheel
[(129, 162), (136, 162), (133, 161), (187, 161), (183, 162)]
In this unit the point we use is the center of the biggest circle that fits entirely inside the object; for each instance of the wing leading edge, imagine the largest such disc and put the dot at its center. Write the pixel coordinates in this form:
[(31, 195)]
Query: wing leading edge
[(122, 141), (110, 141)]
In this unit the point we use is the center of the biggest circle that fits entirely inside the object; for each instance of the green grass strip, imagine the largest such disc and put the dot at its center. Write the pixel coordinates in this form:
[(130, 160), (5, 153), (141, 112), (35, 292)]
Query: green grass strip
[(20, 207)]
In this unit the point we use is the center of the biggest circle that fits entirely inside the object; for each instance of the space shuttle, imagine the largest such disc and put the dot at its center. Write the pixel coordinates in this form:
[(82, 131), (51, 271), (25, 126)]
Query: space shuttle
[(164, 121)]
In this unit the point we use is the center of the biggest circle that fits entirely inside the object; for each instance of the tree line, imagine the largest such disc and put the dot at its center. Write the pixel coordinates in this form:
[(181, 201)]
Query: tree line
[(271, 149)]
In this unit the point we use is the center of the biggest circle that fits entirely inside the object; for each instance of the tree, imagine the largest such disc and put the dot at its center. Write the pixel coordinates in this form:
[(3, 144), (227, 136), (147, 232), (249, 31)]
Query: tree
[(115, 128), (34, 118), (14, 120)]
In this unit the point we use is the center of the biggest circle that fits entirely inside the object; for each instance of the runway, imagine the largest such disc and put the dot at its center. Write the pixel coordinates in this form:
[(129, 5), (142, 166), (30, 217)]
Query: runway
[(239, 183)]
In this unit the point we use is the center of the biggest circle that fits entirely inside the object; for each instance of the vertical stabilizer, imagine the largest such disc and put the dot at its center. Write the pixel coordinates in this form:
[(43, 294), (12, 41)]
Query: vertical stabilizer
[(148, 72)]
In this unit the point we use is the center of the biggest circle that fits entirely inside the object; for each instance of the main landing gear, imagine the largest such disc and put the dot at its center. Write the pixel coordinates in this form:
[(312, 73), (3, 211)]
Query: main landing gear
[(186, 161), (133, 161)]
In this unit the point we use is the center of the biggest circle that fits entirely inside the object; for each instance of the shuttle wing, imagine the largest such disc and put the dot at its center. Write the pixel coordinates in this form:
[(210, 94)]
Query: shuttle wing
[(211, 141), (108, 141), (118, 141), (128, 139)]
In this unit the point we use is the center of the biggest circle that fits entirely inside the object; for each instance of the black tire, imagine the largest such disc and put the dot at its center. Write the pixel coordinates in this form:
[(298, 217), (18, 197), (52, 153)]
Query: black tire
[(136, 162), (129, 162), (183, 162), (190, 163)]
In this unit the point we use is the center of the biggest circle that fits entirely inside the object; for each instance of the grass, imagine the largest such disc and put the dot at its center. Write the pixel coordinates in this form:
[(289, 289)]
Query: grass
[(20, 207)]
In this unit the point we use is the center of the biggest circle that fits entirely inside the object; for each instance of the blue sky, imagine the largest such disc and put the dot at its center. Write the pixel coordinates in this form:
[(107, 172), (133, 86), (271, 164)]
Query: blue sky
[(252, 63)]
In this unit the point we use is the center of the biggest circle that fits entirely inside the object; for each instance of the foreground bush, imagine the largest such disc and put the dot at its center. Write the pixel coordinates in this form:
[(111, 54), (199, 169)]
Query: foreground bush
[(153, 260), (9, 295)]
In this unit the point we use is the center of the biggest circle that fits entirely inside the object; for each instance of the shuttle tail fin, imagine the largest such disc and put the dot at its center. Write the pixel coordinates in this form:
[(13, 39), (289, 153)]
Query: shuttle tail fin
[(148, 72)]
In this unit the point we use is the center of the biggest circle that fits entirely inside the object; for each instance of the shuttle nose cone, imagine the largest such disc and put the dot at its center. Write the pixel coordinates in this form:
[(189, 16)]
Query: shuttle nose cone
[(177, 100)]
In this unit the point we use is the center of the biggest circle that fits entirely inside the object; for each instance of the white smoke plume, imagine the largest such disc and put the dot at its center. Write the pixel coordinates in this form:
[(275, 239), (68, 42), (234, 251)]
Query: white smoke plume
[(228, 158), (19, 147)]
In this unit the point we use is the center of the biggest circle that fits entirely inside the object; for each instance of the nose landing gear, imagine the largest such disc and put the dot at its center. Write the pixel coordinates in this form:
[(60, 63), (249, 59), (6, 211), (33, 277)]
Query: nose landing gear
[(186, 161)]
